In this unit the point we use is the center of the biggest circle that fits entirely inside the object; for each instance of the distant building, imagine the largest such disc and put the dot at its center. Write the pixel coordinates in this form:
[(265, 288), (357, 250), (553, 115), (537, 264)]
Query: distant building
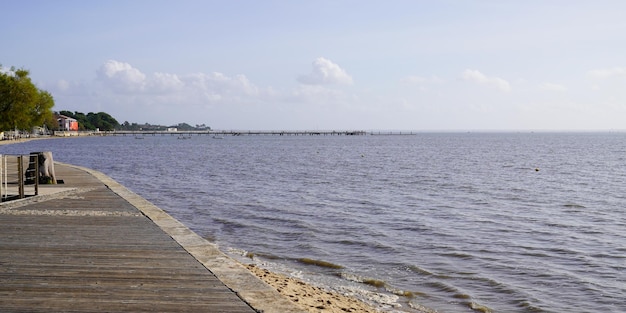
[(38, 130), (172, 129), (67, 123)]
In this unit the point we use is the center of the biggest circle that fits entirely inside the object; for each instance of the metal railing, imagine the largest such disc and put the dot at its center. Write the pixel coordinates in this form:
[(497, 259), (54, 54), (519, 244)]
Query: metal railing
[(19, 176)]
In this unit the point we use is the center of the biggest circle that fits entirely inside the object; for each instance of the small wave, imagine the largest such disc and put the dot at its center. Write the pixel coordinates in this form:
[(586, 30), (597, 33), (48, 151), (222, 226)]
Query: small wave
[(364, 280), (458, 255), (419, 270), (421, 308), (351, 243), (458, 294), (527, 306), (479, 307), (608, 256), (375, 282), (371, 297), (405, 293), (267, 256), (574, 206), (467, 300), (381, 284), (229, 223), (236, 251), (443, 287), (244, 253), (461, 296), (319, 263)]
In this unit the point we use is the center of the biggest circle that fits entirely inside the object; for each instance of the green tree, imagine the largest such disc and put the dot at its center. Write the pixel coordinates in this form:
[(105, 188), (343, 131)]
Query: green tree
[(42, 115), (91, 121), (102, 121), (22, 104)]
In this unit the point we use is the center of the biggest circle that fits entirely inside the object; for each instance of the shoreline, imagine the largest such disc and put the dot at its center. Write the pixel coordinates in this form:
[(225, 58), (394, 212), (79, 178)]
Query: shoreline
[(313, 299), (24, 140), (320, 297)]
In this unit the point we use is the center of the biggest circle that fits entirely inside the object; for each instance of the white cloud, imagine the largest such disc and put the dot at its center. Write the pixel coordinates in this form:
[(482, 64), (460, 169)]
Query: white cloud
[(325, 72), (608, 72), (317, 95), (63, 85), (122, 77), (165, 82), (219, 88), (479, 78), (552, 87)]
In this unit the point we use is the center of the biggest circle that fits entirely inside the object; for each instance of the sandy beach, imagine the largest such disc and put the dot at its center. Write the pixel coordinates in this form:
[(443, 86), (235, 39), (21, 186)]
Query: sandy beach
[(311, 298), (22, 140), (8, 142), (318, 300)]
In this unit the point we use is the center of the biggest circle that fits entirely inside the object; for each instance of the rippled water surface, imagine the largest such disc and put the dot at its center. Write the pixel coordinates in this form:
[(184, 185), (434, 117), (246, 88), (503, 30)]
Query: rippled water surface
[(511, 222)]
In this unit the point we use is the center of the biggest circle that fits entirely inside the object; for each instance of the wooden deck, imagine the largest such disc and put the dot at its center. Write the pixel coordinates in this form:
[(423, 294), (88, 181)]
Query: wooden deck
[(91, 250)]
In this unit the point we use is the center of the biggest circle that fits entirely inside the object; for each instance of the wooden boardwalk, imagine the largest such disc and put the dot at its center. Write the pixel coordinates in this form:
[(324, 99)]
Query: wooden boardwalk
[(91, 250)]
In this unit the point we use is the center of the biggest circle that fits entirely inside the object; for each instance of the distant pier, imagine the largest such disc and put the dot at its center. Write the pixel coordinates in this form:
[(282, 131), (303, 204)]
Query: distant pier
[(220, 133), (253, 133), (234, 133)]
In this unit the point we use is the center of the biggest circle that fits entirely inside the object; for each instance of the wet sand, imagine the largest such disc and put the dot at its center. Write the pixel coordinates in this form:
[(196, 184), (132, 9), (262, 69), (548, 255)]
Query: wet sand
[(310, 298), (318, 300)]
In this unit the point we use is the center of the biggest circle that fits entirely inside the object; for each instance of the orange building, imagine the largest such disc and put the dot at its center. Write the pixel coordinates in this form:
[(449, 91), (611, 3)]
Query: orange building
[(67, 123)]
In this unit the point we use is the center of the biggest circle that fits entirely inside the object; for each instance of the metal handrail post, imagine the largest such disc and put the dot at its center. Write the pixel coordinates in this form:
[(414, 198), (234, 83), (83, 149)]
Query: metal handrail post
[(5, 176), (36, 174), (1, 178), (20, 176)]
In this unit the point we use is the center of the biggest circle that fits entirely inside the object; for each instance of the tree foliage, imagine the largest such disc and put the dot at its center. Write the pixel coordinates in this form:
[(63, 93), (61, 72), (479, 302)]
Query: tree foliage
[(92, 121), (22, 104)]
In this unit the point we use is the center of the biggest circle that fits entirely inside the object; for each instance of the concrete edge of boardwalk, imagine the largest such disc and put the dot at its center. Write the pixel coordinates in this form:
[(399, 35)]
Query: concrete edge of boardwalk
[(233, 274)]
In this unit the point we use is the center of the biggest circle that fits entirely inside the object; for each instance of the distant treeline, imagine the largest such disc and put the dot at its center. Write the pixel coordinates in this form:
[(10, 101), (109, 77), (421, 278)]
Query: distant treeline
[(151, 127), (92, 121), (105, 122)]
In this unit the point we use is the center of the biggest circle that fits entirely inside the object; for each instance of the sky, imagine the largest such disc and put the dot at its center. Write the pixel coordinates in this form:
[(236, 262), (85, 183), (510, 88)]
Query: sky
[(328, 65)]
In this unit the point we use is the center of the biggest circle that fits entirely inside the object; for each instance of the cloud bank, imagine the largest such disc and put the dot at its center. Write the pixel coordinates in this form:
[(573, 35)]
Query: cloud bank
[(608, 72), (480, 78), (123, 78), (325, 72)]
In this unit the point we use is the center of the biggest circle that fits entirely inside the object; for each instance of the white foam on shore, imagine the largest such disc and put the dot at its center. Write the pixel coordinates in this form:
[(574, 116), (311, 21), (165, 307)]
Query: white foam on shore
[(349, 285)]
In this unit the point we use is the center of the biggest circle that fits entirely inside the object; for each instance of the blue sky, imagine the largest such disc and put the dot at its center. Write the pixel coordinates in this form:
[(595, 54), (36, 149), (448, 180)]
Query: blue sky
[(388, 65)]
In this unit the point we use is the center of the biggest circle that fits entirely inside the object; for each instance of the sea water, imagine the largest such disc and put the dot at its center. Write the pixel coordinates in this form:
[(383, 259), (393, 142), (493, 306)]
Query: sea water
[(457, 222)]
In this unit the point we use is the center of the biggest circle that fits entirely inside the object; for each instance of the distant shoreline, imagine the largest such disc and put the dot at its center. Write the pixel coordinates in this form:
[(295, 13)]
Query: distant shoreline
[(22, 140)]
